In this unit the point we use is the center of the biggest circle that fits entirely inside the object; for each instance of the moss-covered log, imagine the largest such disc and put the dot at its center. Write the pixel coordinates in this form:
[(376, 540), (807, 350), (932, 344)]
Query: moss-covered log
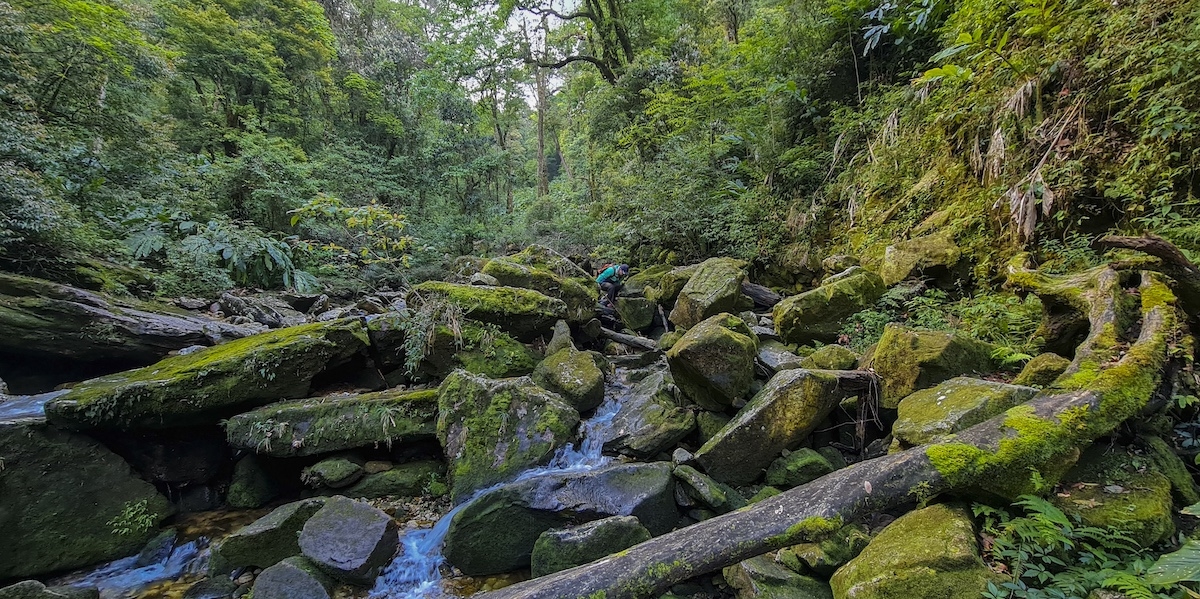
[(1002, 448)]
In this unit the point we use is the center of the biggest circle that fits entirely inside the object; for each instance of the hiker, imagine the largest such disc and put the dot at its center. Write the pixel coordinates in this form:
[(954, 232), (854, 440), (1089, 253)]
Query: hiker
[(610, 282)]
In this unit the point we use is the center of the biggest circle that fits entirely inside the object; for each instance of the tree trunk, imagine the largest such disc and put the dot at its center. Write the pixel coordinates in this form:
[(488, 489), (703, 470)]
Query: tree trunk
[(631, 340), (763, 298)]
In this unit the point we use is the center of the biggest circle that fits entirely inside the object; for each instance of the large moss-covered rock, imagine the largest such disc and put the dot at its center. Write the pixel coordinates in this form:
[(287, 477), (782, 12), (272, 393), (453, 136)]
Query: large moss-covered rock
[(522, 312), (763, 578), (717, 496), (210, 384), (66, 501), (798, 467), (715, 287), (477, 348), (32, 589), (713, 363), (406, 480), (1183, 486), (1119, 491), (830, 357), (579, 294), (779, 417), (907, 360), (559, 549), (824, 557), (961, 402), (332, 473), (335, 422), (497, 531), (931, 552), (574, 375), (645, 278), (1042, 370), (650, 420), (251, 486), (493, 429), (637, 313), (349, 540), (817, 315), (266, 541), (670, 284), (929, 255)]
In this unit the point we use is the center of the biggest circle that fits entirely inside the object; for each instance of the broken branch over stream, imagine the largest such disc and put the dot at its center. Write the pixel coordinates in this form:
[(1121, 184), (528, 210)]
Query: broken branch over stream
[(1103, 388)]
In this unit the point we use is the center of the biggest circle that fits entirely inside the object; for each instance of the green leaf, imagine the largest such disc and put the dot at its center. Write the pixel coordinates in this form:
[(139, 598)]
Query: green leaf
[(1179, 566), (1191, 510)]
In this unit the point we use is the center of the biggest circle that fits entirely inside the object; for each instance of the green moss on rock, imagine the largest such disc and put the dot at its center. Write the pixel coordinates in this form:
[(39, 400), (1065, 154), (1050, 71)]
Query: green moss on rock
[(1118, 491), (918, 255), (817, 315), (573, 375), (798, 467), (907, 360), (830, 357), (559, 549), (637, 313), (266, 541), (522, 312), (715, 287), (1183, 486), (671, 284), (578, 293), (713, 363), (1042, 370), (250, 486), (405, 480), (959, 403)]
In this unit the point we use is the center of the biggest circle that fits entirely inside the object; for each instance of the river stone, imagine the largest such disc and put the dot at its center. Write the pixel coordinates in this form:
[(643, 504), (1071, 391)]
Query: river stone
[(762, 578), (650, 420), (637, 313), (930, 552), (797, 468), (720, 497), (336, 422), (32, 589), (478, 349), (207, 385), (482, 279), (908, 360), (293, 578), (817, 315), (333, 473), (219, 587), (830, 357), (823, 558), (1042, 370), (928, 255), (713, 363), (250, 486), (573, 375), (265, 541), (1119, 491), (406, 480), (561, 339), (670, 284), (493, 430), (350, 540), (959, 403), (523, 313), (61, 494), (776, 356), (708, 424), (579, 293), (496, 532), (715, 287), (559, 549), (779, 417)]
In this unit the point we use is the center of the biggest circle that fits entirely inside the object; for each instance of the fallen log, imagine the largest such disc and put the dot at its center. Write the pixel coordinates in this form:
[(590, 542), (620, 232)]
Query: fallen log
[(1084, 406), (1174, 264), (763, 297), (631, 340)]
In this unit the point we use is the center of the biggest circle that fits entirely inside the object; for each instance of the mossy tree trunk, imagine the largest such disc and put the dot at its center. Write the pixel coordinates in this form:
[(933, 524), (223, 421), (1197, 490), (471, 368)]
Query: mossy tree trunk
[(1104, 388)]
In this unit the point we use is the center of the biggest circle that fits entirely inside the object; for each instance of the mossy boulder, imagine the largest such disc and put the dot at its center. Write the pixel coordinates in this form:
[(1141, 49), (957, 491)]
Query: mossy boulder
[(493, 429), (670, 284), (574, 375), (930, 552), (713, 363), (1183, 486), (296, 577), (817, 314), (579, 294), (715, 287), (332, 473), (477, 348), (930, 255), (907, 360), (1042, 370), (637, 313), (335, 422), (559, 549), (1119, 491), (797, 468), (715, 495), (830, 357), (266, 541), (405, 480), (561, 339), (650, 420), (213, 383), (497, 531), (32, 589), (649, 277), (524, 313), (708, 424), (764, 578), (824, 557), (251, 486), (66, 501), (779, 417), (931, 414), (777, 356)]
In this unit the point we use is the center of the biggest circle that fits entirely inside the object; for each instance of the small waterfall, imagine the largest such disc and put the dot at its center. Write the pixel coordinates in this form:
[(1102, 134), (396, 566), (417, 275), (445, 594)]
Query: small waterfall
[(120, 578), (416, 573)]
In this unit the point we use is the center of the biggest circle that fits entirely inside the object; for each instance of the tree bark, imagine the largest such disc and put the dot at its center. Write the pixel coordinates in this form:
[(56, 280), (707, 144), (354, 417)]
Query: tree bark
[(763, 298), (1174, 264), (631, 340)]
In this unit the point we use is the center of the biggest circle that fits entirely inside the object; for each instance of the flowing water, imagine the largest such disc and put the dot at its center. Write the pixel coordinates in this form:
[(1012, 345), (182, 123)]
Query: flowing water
[(416, 573)]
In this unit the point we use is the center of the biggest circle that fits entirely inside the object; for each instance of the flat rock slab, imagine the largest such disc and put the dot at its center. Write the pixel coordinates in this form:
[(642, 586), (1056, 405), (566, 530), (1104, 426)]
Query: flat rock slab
[(650, 420), (961, 402), (524, 313), (293, 578), (336, 422), (563, 548), (266, 541), (350, 540)]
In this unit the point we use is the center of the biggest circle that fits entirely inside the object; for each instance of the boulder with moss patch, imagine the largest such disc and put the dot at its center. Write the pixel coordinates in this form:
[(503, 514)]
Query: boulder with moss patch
[(1116, 490), (477, 348), (908, 360), (715, 287), (797, 467), (637, 313), (713, 363), (332, 473), (670, 284), (210, 384), (250, 486), (1042, 370), (406, 480), (776, 356), (524, 313), (824, 557), (931, 414), (266, 541), (493, 429), (931, 552), (718, 496), (67, 501), (646, 278), (574, 375), (335, 422), (650, 420), (1183, 486), (579, 293), (764, 578), (817, 314), (32, 589), (296, 577), (931, 255), (559, 549), (830, 357)]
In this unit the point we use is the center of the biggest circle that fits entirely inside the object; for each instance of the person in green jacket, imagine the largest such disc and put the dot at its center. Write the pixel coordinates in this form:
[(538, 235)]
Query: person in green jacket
[(610, 282)]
